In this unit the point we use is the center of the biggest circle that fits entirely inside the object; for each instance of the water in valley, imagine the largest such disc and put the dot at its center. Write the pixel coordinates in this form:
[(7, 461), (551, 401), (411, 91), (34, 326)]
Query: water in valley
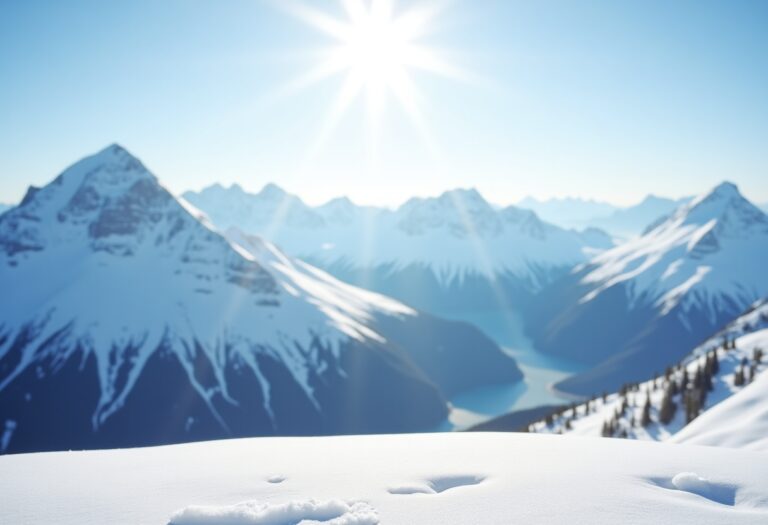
[(540, 372)]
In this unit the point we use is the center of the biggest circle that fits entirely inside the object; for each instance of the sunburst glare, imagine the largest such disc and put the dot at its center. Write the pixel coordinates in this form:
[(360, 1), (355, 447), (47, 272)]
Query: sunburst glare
[(376, 48)]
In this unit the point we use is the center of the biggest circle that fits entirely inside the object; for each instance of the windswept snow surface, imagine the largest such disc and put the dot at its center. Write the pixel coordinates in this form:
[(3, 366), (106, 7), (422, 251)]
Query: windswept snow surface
[(486, 479)]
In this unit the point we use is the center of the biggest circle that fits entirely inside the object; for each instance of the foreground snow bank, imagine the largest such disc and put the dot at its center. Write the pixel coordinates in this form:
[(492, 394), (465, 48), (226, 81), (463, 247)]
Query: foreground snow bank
[(332, 512), (429, 479)]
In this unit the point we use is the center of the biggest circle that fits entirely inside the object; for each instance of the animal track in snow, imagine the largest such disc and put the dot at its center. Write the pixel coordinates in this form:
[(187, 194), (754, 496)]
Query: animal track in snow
[(437, 485)]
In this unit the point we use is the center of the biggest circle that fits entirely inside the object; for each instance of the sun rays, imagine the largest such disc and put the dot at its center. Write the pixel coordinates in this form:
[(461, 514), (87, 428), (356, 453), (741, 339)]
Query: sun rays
[(375, 48)]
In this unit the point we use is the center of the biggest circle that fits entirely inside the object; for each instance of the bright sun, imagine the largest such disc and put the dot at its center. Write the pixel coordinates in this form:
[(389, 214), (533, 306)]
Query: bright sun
[(375, 49)]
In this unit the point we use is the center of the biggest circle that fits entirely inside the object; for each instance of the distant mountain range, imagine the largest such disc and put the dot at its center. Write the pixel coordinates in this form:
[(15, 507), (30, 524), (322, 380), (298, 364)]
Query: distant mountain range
[(623, 222), (633, 309), (569, 212), (127, 319), (634, 220), (4, 207), (452, 252)]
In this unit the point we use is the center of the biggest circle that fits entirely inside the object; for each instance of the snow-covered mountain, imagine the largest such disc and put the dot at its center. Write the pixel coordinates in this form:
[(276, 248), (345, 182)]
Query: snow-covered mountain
[(716, 395), (634, 220), (634, 309), (4, 207), (568, 212), (453, 251), (427, 479), (126, 319)]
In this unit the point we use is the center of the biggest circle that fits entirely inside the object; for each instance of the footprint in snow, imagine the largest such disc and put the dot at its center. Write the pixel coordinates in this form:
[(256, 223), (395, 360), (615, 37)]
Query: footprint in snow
[(329, 512), (437, 485), (276, 479), (723, 493)]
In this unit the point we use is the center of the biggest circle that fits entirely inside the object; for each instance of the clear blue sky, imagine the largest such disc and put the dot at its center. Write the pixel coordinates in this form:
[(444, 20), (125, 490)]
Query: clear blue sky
[(602, 99)]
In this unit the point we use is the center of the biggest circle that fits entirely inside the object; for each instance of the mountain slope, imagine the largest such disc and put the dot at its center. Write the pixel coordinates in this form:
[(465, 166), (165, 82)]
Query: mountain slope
[(127, 320), (740, 421), (707, 398), (633, 309), (455, 251)]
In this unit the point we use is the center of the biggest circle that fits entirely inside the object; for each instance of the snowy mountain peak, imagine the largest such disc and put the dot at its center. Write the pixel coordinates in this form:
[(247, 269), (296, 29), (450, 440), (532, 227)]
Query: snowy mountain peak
[(269, 210), (708, 253), (109, 199), (113, 158), (722, 213), (462, 212), (464, 194), (273, 191), (341, 211), (722, 201)]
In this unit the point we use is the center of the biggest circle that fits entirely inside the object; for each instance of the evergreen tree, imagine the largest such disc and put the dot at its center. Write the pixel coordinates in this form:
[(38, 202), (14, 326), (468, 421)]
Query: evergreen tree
[(707, 378), (672, 387), (692, 405), (668, 407), (645, 419), (715, 362), (738, 376)]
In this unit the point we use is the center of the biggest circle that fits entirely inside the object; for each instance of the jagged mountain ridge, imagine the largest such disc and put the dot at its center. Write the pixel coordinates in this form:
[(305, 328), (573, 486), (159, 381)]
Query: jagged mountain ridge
[(569, 212), (120, 297), (631, 309), (454, 249)]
